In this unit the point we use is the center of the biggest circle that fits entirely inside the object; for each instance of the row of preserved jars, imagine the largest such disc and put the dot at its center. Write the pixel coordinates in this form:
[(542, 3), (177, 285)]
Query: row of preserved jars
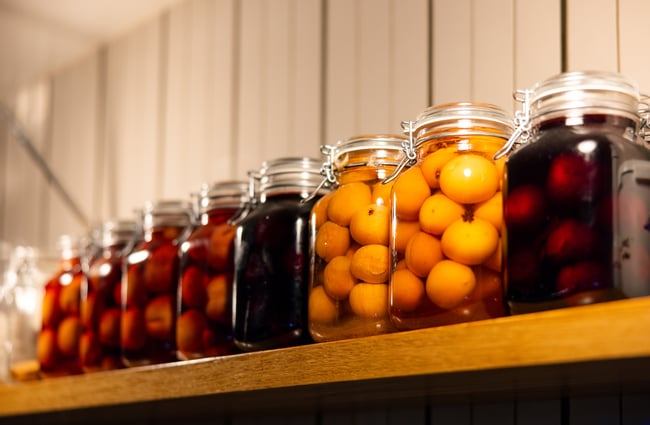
[(473, 213)]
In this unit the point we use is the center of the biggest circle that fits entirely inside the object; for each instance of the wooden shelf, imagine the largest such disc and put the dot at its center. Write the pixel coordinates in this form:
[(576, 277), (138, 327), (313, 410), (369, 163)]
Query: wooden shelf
[(598, 347)]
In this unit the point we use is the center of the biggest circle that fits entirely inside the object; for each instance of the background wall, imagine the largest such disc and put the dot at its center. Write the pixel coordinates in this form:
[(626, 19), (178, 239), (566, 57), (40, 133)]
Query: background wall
[(209, 89)]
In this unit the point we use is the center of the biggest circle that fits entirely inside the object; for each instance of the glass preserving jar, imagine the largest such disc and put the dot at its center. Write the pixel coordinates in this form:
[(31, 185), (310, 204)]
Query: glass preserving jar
[(204, 322), (59, 338), (271, 257), (20, 313), (101, 296), (447, 217), (577, 195), (150, 285), (350, 229)]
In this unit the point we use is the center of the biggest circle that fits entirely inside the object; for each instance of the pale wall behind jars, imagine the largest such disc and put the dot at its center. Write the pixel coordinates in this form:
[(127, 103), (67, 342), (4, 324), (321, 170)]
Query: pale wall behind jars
[(211, 88)]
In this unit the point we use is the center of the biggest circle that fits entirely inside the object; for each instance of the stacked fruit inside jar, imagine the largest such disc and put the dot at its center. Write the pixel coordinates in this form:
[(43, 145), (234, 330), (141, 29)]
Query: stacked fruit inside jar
[(446, 236), (101, 314), (58, 344), (149, 299), (204, 325), (349, 294)]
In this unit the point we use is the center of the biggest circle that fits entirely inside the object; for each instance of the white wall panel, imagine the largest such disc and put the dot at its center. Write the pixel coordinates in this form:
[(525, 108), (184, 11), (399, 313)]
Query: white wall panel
[(592, 35), (73, 148), (452, 50), (492, 52), (634, 34), (537, 41), (376, 72), (198, 107), (26, 199), (133, 102), (277, 44)]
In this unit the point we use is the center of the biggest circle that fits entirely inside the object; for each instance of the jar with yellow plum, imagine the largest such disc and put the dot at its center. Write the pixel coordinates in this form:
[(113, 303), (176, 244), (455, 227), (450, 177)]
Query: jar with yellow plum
[(447, 218), (350, 229)]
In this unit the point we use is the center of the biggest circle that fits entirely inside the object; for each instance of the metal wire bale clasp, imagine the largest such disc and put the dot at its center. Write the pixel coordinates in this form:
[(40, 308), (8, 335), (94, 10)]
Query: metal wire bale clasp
[(408, 146), (644, 114), (522, 124), (326, 170), (250, 203)]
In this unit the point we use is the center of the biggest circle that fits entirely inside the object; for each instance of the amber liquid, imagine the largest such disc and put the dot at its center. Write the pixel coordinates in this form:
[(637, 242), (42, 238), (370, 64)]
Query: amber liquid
[(576, 216)]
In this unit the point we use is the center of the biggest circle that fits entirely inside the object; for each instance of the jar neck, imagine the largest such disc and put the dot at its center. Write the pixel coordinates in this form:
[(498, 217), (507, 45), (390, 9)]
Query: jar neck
[(218, 215), (624, 124)]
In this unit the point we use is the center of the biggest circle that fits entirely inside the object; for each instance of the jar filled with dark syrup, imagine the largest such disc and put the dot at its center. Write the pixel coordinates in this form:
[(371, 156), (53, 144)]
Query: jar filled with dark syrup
[(271, 257), (577, 195)]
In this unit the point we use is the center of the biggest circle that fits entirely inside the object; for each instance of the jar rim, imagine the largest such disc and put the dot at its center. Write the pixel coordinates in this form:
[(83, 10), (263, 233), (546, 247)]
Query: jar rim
[(387, 147), (463, 116), (585, 89)]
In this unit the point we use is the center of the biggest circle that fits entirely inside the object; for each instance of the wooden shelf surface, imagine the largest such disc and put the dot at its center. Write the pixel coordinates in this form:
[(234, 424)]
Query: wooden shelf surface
[(604, 345)]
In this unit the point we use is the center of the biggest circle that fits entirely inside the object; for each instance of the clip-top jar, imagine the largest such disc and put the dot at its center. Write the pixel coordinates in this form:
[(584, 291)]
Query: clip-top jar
[(350, 229), (446, 218), (578, 195), (271, 280), (101, 297), (149, 292), (58, 341), (204, 323)]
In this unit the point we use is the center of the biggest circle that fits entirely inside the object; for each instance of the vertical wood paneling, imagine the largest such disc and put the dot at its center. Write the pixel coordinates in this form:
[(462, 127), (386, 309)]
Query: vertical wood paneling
[(493, 413), (26, 188), (409, 73), (456, 414), (539, 412), (473, 51), (635, 409), (73, 147), (270, 97), (492, 52), (198, 116), (591, 35), (538, 42), (452, 50), (376, 65), (133, 100), (602, 410), (634, 33)]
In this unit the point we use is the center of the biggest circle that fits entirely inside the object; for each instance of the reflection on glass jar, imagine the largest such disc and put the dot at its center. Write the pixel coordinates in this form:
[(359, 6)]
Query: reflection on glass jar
[(578, 196), (149, 291), (447, 218), (204, 322), (271, 278)]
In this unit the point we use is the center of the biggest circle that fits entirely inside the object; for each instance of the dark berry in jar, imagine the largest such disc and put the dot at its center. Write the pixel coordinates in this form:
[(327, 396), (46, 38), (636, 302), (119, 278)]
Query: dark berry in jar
[(573, 178), (572, 240), (525, 207)]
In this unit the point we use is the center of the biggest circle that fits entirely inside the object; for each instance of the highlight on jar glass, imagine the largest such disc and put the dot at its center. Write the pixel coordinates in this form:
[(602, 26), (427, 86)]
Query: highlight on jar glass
[(350, 229), (150, 285), (576, 199), (271, 256), (101, 296), (25, 273), (204, 322), (446, 218), (59, 338)]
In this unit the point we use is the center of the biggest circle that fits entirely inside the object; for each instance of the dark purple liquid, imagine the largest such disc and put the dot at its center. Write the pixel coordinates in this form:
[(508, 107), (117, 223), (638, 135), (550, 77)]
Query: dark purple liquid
[(576, 215), (271, 279)]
